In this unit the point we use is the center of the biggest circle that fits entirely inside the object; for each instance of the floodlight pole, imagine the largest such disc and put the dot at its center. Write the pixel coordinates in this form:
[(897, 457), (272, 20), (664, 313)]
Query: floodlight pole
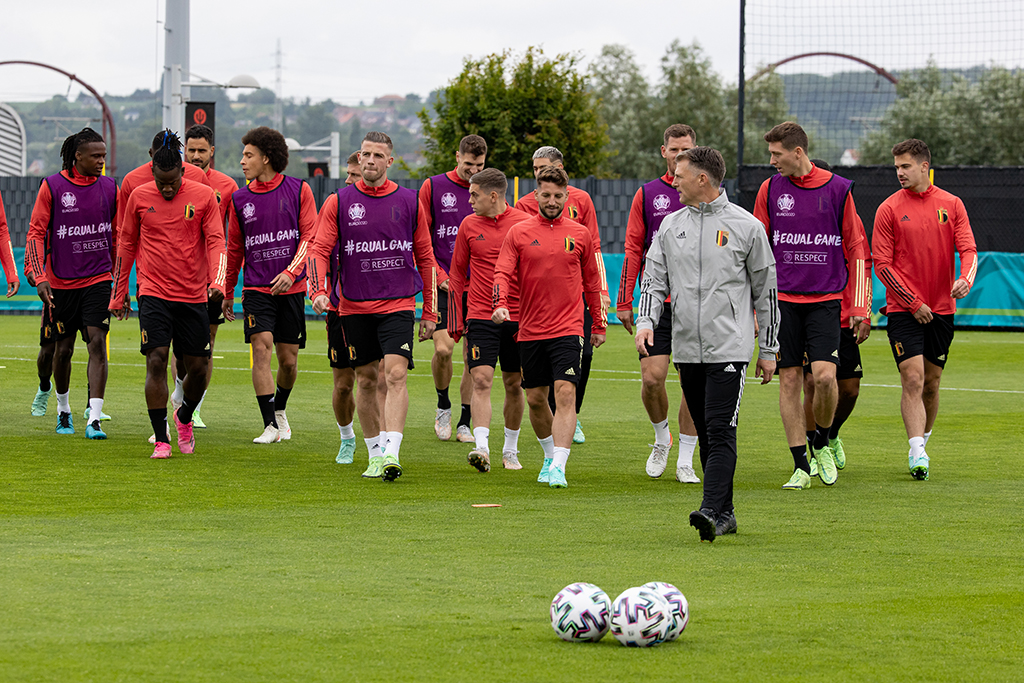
[(741, 100), (176, 63)]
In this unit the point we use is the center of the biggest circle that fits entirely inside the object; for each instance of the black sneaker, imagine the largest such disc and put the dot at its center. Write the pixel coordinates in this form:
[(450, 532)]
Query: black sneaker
[(703, 521), (726, 523)]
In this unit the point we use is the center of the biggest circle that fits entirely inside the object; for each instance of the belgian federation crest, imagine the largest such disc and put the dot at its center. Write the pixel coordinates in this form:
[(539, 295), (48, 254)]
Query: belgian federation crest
[(573, 212), (722, 238), (190, 211), (786, 202), (943, 216), (570, 244)]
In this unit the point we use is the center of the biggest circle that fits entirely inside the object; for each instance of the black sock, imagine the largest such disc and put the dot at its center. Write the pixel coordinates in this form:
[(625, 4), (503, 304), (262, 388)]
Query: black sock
[(281, 399), (45, 386), (810, 437), (800, 458), (186, 410), (833, 431), (820, 437), (443, 402), (267, 409), (581, 386), (158, 418), (466, 416)]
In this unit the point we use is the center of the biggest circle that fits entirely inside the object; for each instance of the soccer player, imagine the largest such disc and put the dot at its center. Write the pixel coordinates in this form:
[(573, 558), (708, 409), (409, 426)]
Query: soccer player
[(714, 259), (652, 203), (271, 222), (554, 263), (476, 251), (7, 254), (70, 251), (143, 175), (815, 232), (917, 230), (579, 207), (386, 258), (444, 200), (173, 228), (199, 151), (337, 350), (850, 370)]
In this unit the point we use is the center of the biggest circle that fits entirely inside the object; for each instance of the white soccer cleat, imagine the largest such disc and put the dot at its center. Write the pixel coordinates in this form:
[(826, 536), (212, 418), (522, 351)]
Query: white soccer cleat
[(686, 475), (152, 437), (270, 435), (658, 459), (510, 460), (464, 435), (282, 425), (443, 423)]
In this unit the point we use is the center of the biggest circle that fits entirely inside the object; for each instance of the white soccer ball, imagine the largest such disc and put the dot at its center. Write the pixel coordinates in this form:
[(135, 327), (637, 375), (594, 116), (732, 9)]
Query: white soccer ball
[(640, 617), (579, 613), (680, 609)]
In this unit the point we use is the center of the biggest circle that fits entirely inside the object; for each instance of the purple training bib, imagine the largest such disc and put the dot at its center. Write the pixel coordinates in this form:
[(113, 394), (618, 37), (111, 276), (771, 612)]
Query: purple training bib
[(270, 227), (81, 220)]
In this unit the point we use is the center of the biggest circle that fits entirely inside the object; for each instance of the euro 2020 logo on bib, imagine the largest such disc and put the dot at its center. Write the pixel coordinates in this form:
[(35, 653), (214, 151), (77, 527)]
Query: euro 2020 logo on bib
[(448, 200), (248, 211), (786, 202), (68, 200), (661, 202), (356, 211)]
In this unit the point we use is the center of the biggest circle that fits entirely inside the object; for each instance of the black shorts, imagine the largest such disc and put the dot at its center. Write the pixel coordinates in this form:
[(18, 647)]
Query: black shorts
[(162, 321), (283, 315), (909, 338), (76, 309), (442, 309), (548, 360), (662, 334), (849, 357), (588, 327), (215, 312), (371, 336), (808, 331), (490, 343), (337, 349)]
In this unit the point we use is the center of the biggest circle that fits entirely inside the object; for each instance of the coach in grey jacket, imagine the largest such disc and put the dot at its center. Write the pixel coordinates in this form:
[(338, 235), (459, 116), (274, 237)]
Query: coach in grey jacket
[(714, 259)]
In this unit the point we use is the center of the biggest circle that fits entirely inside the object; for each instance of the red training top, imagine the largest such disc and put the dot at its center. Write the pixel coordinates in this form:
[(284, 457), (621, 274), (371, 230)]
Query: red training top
[(555, 265), (916, 234), (177, 242), (307, 230), (476, 251), (6, 250), (144, 174), (423, 252)]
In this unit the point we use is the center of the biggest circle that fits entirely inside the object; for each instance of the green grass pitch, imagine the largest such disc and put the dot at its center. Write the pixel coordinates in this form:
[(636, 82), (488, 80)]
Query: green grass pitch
[(273, 563)]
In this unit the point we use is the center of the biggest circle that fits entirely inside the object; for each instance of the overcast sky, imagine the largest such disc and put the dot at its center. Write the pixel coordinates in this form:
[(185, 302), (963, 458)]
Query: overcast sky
[(352, 51)]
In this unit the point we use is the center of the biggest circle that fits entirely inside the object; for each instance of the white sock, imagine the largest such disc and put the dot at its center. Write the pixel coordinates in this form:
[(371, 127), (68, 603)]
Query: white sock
[(373, 446), (548, 445), (63, 404), (383, 440), (662, 434), (481, 435), (560, 456), (346, 431), (687, 444), (95, 408), (511, 440), (200, 404), (394, 444), (179, 392), (927, 435), (916, 446)]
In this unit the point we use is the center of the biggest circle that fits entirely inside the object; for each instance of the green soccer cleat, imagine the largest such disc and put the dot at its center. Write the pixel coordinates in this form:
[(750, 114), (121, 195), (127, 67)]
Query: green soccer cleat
[(40, 401), (837, 450), (826, 466), (556, 477), (545, 472), (814, 466), (799, 480), (65, 425), (346, 453), (103, 416), (578, 436), (93, 431), (197, 421), (919, 468), (374, 470), (390, 470)]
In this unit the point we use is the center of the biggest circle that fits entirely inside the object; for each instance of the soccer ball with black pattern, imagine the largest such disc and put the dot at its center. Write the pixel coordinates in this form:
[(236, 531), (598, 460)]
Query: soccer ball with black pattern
[(640, 617), (680, 608), (579, 613)]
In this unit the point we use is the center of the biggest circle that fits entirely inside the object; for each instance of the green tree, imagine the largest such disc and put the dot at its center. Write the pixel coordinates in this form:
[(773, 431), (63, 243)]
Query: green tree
[(764, 107), (691, 92), (517, 105), (626, 106), (315, 122)]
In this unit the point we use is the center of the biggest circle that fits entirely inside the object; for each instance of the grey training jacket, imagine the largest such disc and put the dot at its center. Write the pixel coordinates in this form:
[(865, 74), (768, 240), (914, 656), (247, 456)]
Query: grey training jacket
[(715, 261)]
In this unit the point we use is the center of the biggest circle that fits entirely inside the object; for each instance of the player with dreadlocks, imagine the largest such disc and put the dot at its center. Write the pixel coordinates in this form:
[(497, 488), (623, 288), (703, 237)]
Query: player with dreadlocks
[(69, 253), (173, 227)]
